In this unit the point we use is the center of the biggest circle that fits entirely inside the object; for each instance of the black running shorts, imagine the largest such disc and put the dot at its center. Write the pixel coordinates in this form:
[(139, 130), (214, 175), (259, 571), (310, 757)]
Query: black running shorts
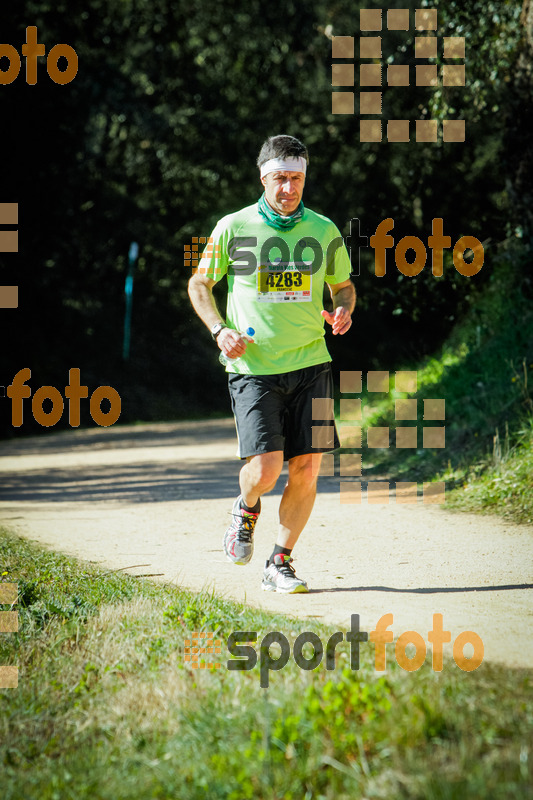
[(275, 412)]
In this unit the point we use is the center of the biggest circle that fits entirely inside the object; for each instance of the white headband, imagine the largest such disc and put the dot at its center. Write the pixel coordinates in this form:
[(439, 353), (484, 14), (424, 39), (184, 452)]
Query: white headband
[(292, 164)]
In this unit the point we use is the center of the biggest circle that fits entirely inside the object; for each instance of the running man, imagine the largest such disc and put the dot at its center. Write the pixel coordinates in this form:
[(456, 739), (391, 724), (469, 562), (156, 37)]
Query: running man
[(276, 287)]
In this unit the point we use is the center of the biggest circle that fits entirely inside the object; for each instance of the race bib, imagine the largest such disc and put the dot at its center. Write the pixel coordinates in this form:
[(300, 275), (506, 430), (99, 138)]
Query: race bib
[(284, 282)]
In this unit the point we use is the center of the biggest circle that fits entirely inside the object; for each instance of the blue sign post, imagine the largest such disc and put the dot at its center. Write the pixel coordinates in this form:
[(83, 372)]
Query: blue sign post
[(128, 291)]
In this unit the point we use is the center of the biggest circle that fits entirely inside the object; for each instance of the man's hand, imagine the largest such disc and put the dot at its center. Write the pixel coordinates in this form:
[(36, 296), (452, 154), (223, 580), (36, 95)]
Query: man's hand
[(340, 319), (232, 343)]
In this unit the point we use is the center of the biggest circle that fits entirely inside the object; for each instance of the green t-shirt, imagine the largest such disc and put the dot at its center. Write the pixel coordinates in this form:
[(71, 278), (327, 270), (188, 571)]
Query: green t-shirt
[(276, 287)]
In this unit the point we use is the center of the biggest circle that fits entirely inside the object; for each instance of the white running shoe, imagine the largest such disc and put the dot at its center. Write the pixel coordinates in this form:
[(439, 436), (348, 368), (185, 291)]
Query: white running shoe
[(238, 540), (281, 577)]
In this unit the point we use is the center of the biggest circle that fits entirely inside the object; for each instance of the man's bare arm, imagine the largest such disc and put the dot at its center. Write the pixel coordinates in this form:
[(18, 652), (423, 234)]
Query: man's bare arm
[(201, 295), (343, 296)]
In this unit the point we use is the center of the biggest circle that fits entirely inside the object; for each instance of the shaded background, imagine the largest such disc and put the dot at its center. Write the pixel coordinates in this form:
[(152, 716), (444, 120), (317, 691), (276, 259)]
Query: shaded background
[(156, 138)]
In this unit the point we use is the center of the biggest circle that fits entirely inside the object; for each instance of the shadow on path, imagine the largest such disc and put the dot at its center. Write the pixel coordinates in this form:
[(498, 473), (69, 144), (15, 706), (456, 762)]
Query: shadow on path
[(138, 479), (123, 437), (425, 590)]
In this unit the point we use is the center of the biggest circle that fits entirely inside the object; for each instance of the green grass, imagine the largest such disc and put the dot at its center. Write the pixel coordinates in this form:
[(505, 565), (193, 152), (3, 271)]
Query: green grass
[(485, 374), (106, 708), (503, 484)]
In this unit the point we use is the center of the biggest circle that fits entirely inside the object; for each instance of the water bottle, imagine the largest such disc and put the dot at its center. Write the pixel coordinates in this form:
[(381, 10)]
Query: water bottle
[(249, 333)]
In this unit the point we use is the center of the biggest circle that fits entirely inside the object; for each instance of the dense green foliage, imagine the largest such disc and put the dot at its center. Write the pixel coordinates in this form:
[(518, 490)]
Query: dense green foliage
[(484, 371), (156, 138)]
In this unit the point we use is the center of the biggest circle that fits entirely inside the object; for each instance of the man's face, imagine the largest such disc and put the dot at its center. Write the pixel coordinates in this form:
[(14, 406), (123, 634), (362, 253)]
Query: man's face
[(283, 191)]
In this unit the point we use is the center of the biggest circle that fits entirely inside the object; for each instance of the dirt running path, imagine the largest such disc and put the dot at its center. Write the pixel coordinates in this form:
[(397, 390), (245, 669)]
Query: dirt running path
[(158, 496)]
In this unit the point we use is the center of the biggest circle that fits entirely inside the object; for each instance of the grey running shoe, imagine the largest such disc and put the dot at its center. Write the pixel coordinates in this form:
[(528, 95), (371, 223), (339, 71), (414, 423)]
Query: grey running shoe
[(280, 576), (238, 539)]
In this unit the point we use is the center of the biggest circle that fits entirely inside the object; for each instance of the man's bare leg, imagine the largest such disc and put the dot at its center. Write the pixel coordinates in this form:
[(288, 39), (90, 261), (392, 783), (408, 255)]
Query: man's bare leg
[(294, 511), (259, 476), (298, 498)]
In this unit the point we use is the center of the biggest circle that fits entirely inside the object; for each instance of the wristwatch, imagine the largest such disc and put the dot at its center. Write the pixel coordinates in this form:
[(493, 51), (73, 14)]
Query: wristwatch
[(217, 327)]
